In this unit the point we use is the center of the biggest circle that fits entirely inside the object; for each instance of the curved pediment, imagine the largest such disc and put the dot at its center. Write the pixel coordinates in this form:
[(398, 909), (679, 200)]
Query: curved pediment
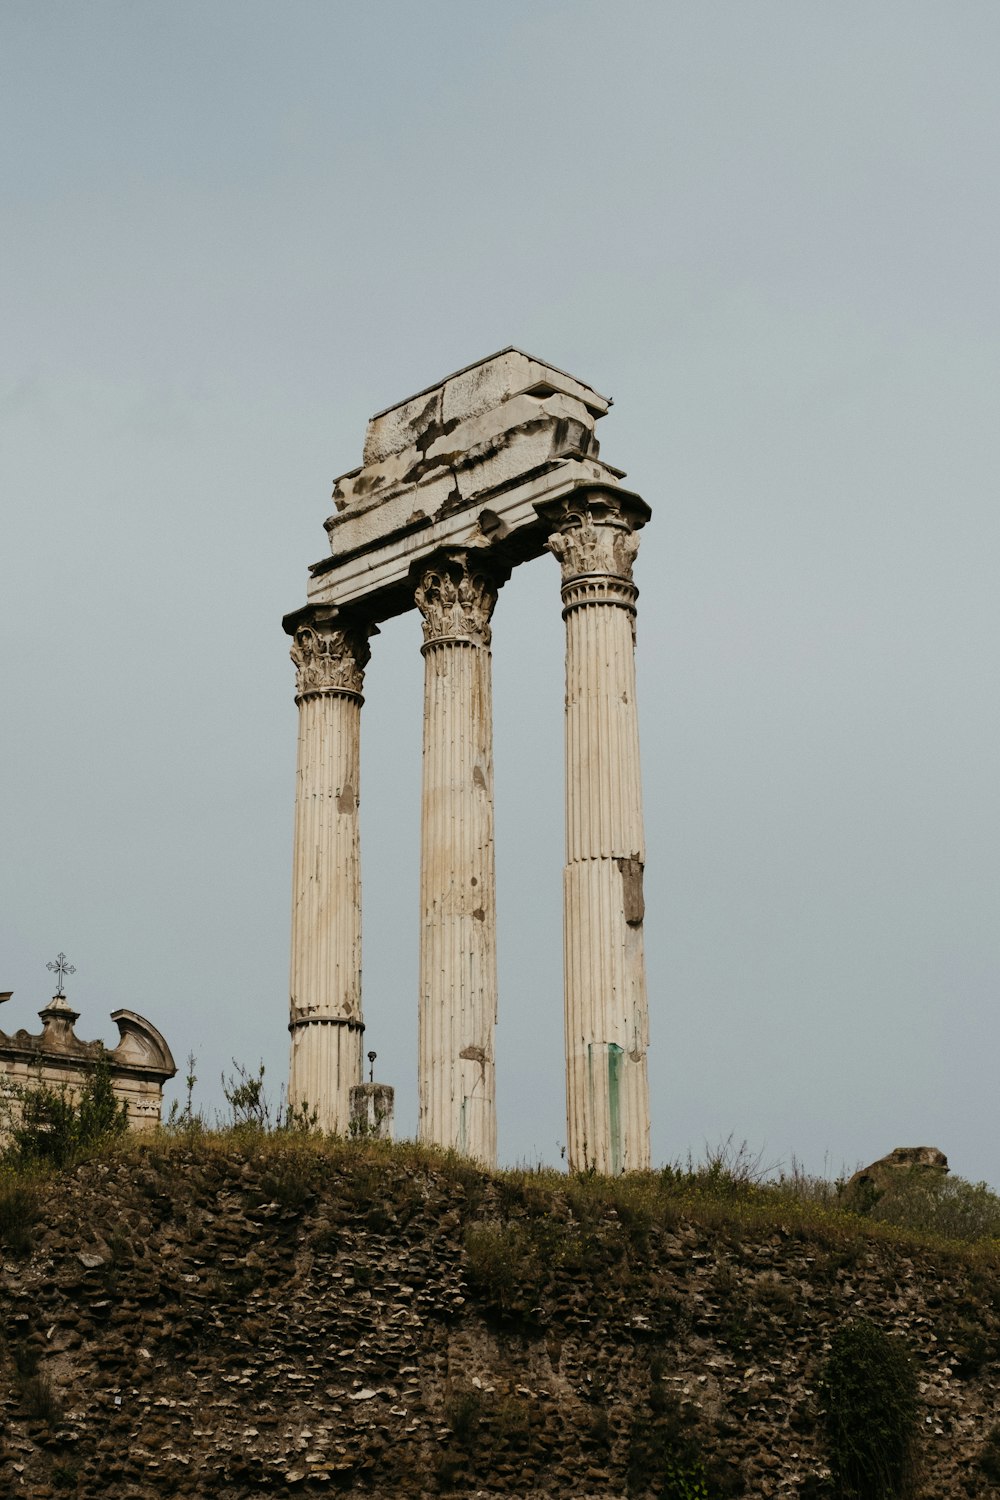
[(141, 1045)]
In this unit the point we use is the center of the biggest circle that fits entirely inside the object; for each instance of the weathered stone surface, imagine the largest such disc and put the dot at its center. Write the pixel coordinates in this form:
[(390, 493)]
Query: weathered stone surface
[(463, 464), (873, 1179), (607, 1017), (139, 1065), (489, 467), (458, 959), (486, 386), (264, 1314), (909, 1159), (373, 1111), (325, 1019)]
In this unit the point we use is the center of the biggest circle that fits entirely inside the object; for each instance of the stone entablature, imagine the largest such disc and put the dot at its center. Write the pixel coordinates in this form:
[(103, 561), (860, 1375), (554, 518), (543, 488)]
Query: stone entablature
[(463, 465), (55, 1057), (494, 466)]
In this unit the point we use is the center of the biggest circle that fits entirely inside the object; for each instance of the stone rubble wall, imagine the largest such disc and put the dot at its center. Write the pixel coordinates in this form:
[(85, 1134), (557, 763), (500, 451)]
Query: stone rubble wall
[(225, 1320)]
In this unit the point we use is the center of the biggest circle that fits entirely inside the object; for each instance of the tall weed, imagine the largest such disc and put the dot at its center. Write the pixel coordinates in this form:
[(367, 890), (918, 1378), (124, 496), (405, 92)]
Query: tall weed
[(19, 1210)]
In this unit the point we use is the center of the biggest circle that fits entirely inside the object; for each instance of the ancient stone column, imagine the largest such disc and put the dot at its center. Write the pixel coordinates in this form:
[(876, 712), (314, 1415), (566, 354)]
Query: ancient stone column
[(458, 971), (606, 1013), (325, 980)]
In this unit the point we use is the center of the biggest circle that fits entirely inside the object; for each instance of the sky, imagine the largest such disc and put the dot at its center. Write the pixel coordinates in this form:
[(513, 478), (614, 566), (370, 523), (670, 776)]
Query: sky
[(232, 232)]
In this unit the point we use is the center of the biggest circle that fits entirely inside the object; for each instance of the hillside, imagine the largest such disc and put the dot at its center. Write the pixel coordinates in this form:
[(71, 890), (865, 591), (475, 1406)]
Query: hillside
[(236, 1317)]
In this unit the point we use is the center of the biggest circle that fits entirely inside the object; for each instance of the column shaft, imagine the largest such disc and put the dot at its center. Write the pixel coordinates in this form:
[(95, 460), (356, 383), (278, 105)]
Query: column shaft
[(458, 979), (325, 975), (606, 1010)]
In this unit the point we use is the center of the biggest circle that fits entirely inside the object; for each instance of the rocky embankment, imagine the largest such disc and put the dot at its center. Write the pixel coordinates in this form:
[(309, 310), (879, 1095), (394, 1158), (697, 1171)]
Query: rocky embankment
[(235, 1320)]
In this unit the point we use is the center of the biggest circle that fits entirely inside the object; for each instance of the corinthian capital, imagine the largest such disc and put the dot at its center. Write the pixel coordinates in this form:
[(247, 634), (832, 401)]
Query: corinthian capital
[(456, 599), (329, 658), (591, 539)]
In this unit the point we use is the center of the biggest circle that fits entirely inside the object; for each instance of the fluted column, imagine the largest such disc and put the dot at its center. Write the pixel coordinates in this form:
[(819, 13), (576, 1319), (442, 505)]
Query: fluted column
[(606, 1012), (458, 971), (325, 980)]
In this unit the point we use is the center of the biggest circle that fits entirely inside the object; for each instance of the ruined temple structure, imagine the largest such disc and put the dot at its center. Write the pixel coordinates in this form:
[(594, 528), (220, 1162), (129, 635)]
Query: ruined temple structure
[(489, 468), (55, 1057)]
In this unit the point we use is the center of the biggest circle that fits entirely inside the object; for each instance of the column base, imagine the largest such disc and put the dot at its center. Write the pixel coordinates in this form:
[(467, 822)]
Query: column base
[(373, 1107)]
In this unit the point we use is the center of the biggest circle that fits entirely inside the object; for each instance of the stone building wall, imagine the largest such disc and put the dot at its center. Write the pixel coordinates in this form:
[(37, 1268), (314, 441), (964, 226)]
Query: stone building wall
[(139, 1065)]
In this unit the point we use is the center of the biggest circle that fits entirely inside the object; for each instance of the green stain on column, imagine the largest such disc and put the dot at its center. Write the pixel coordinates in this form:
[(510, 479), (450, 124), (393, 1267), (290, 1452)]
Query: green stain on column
[(615, 1055), (588, 1146)]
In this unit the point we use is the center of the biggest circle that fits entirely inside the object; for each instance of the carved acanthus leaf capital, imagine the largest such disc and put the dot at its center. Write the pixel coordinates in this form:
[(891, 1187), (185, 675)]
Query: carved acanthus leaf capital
[(585, 542), (329, 659), (456, 599)]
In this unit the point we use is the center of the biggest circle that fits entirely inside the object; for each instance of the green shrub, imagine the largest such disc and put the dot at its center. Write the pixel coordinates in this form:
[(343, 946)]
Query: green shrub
[(503, 1265), (247, 1098), (19, 1208), (291, 1180), (100, 1116), (935, 1204), (868, 1398), (663, 1454), (683, 1479), (55, 1127), (250, 1104), (664, 1459)]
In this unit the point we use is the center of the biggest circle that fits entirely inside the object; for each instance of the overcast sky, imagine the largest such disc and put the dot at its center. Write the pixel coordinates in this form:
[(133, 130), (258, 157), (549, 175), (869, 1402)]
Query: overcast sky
[(232, 231)]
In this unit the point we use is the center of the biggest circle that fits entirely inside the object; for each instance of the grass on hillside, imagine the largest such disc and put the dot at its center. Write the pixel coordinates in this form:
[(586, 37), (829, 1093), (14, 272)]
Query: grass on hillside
[(505, 1212)]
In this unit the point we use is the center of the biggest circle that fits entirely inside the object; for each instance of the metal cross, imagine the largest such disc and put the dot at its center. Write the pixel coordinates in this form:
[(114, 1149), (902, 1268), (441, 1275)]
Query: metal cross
[(61, 968)]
